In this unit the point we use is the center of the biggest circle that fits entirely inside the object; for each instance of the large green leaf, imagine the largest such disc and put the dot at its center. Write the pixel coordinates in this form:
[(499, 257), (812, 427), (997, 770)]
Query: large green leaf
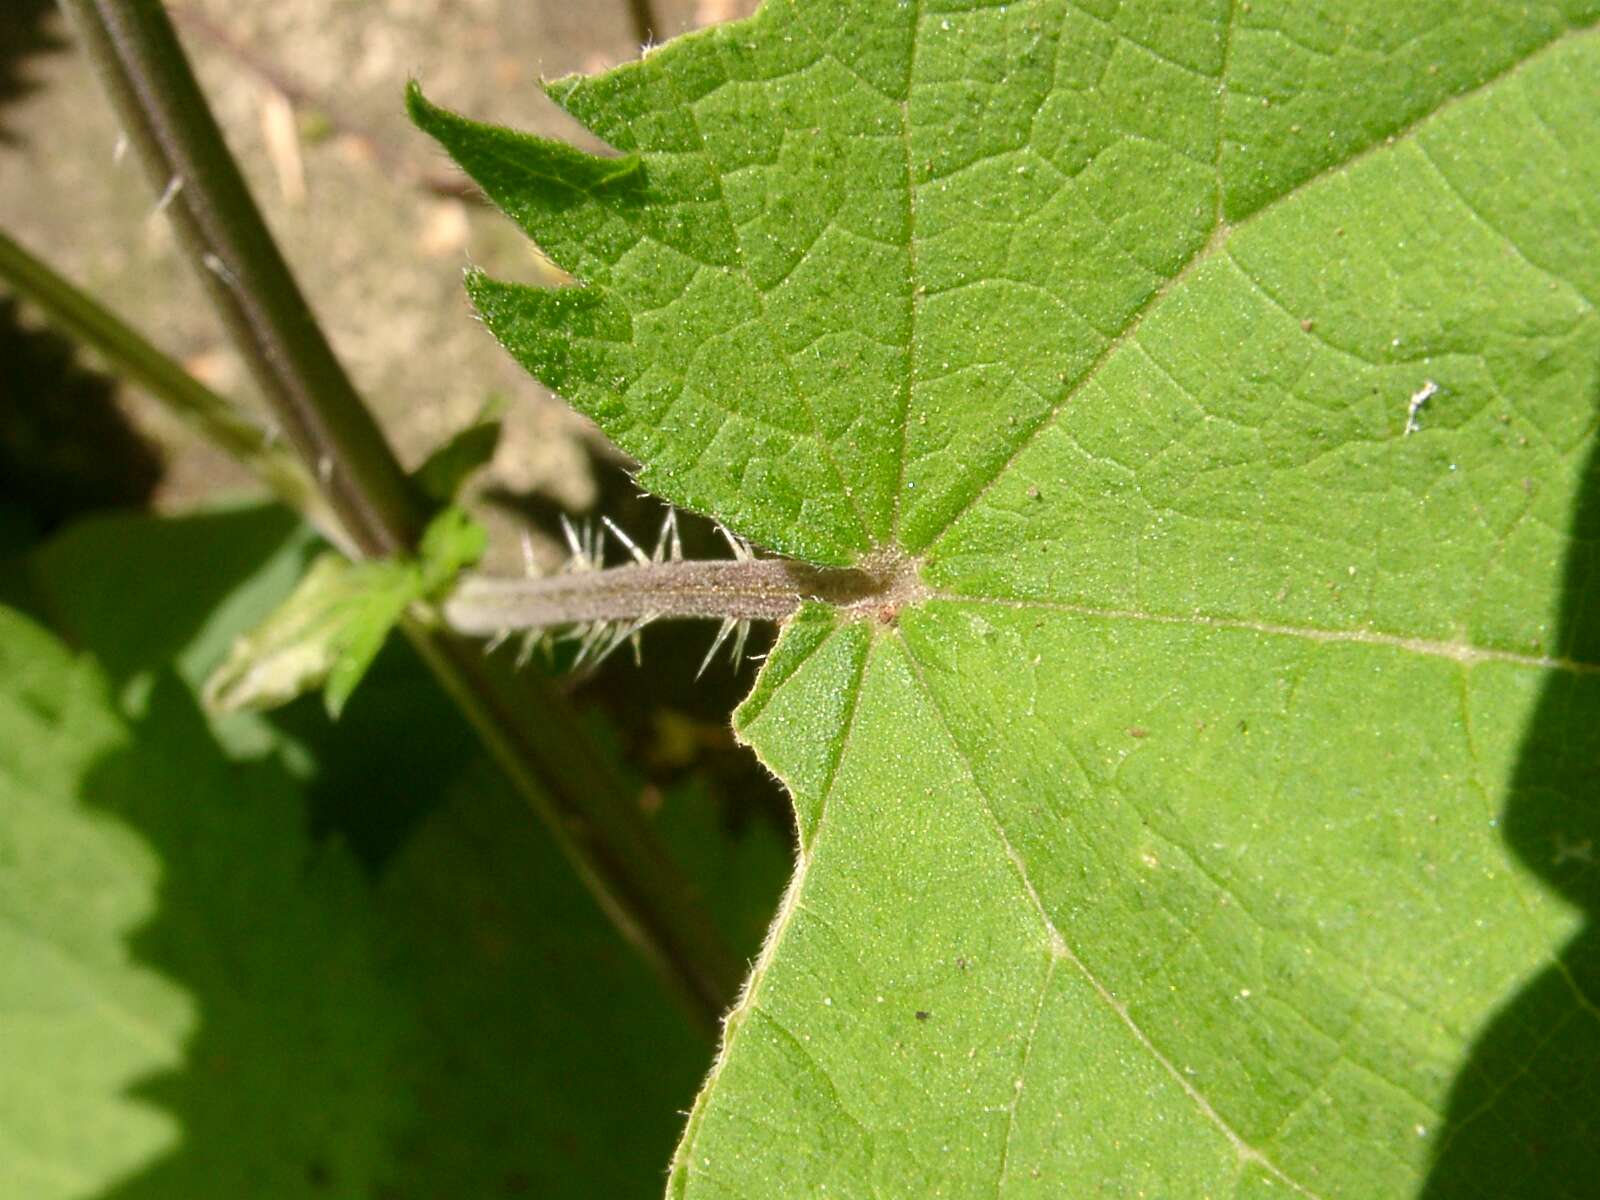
[(1218, 815)]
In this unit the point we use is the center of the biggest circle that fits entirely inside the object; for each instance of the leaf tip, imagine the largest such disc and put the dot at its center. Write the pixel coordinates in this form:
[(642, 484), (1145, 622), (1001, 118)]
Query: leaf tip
[(422, 111), (437, 122)]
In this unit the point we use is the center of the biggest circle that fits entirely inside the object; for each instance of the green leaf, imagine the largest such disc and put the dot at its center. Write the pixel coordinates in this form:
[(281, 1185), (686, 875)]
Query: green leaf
[(329, 631), (451, 543), (176, 959), (325, 635), (1219, 817), (381, 593), (294, 649), (551, 1065), (469, 450), (469, 951)]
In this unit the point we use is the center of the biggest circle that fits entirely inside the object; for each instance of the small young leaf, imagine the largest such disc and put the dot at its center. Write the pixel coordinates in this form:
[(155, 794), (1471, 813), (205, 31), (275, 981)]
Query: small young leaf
[(452, 542), (294, 649), (444, 471), (333, 625), (383, 591)]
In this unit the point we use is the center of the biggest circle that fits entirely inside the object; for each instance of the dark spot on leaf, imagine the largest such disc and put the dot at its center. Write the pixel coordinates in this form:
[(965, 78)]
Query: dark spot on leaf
[(1138, 731), (923, 1015), (317, 1174)]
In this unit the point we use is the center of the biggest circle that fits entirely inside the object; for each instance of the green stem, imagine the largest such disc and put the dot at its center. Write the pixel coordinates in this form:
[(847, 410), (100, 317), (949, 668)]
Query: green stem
[(135, 358), (534, 735)]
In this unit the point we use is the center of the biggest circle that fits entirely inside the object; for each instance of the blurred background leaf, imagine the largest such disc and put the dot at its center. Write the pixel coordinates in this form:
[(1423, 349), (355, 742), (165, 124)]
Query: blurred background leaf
[(377, 977)]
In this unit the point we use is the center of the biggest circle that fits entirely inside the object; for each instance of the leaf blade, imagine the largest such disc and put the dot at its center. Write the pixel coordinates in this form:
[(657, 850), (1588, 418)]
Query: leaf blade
[(1201, 563)]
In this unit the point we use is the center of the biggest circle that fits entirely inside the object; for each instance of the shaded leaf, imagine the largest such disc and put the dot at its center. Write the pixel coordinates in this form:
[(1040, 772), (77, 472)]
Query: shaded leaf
[(496, 977), (178, 961), (293, 650), (552, 1064), (330, 629), (451, 543), (382, 591)]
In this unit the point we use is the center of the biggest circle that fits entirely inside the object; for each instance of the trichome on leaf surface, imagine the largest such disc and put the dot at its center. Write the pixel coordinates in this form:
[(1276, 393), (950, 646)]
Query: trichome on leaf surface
[(1218, 817)]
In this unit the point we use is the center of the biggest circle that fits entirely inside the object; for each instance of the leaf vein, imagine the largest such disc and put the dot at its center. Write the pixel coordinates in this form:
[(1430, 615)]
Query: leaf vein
[(1216, 243), (1063, 949), (913, 301), (1462, 652)]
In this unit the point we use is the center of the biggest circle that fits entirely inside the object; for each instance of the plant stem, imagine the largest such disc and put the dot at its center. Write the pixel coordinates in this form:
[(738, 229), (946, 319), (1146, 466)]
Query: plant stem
[(198, 406), (140, 63), (192, 20), (536, 738), (761, 589)]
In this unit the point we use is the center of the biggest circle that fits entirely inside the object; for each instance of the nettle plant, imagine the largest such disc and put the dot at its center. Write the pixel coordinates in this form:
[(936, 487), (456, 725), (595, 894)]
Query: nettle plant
[(1198, 783), (1164, 434)]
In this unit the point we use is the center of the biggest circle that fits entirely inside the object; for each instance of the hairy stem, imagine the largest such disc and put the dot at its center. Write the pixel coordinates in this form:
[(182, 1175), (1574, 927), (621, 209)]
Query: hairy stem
[(536, 738), (135, 358), (762, 589)]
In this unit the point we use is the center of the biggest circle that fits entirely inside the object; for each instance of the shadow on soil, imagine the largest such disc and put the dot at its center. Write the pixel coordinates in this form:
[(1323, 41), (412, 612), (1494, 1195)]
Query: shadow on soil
[(28, 29), (66, 449)]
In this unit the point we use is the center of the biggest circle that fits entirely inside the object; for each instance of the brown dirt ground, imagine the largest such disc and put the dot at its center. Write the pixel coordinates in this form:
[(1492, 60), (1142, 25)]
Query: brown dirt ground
[(309, 95)]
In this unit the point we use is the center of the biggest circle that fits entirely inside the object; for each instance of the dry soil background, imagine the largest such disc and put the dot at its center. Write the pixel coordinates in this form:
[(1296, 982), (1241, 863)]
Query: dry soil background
[(368, 211)]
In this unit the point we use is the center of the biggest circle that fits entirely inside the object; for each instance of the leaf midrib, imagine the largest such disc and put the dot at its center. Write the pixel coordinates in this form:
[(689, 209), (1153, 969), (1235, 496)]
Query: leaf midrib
[(1465, 653), (915, 294)]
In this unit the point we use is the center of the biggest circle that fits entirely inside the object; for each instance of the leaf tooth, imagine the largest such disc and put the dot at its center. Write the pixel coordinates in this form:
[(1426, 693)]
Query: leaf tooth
[(519, 173)]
